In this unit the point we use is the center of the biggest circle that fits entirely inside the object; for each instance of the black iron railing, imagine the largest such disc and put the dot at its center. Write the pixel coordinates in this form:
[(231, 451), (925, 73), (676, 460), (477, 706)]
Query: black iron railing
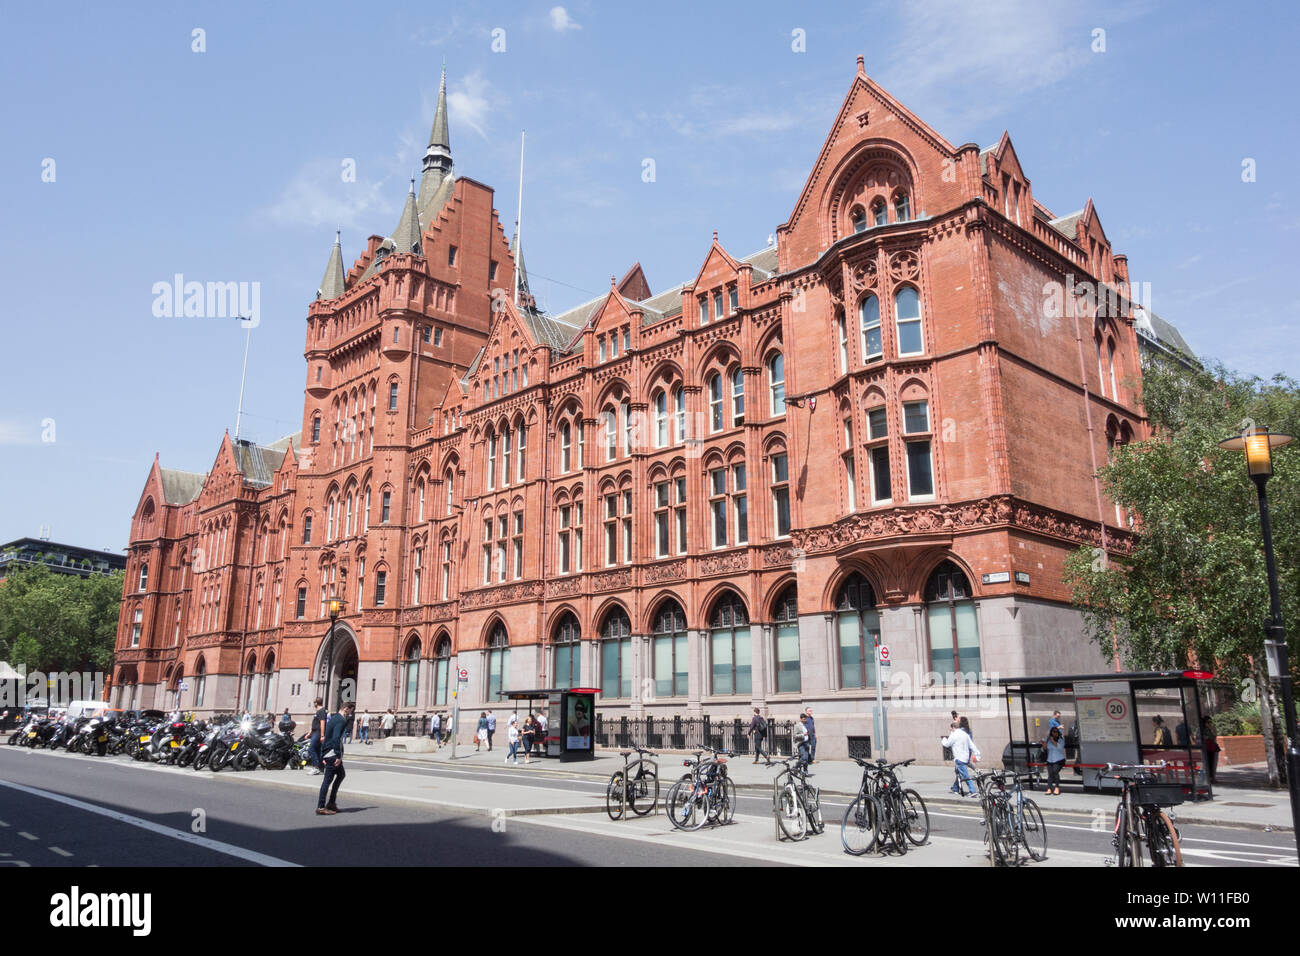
[(691, 733)]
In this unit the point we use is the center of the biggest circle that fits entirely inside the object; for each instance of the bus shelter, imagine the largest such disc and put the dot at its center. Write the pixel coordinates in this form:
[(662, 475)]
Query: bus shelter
[(570, 719), (1111, 718)]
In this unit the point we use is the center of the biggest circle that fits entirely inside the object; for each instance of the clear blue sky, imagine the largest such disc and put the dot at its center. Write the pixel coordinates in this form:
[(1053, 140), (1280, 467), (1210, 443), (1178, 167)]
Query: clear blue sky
[(225, 165)]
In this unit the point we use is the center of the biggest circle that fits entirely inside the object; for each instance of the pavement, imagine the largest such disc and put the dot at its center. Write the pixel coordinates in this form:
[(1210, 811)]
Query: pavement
[(1248, 807)]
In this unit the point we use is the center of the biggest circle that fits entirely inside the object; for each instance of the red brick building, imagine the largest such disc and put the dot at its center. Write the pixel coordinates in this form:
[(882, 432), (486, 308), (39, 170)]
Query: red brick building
[(700, 500)]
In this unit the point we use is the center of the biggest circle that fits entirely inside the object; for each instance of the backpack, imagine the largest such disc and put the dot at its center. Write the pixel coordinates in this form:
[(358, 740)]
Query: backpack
[(762, 725)]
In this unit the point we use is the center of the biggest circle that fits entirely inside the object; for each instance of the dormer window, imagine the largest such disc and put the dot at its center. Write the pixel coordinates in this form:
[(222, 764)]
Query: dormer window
[(902, 208), (704, 310), (858, 218), (717, 304), (878, 215), (734, 294)]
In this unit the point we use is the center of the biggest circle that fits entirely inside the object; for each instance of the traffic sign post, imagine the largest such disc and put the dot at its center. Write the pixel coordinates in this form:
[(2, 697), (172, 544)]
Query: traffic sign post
[(462, 677), (880, 714)]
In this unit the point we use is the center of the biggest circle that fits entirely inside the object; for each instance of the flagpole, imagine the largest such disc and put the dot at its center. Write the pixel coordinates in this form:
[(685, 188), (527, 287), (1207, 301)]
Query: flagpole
[(239, 413), (519, 217)]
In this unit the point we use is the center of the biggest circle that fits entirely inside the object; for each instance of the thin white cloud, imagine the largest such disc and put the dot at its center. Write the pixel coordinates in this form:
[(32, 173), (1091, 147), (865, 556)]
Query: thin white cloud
[(999, 51), (468, 104), (757, 123), (18, 433), (561, 21), (319, 196)]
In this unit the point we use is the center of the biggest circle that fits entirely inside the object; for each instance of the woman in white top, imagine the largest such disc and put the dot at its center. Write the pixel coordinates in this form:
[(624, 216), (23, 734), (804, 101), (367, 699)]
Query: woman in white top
[(964, 753), (512, 737)]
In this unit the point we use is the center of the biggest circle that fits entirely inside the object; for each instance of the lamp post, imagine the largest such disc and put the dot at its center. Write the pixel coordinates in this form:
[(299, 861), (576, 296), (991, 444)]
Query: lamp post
[(336, 605), (1258, 447)]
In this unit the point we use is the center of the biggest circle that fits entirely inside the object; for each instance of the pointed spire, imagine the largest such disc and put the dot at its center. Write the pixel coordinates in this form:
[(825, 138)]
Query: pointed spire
[(332, 285), (406, 237), (437, 157), (523, 297)]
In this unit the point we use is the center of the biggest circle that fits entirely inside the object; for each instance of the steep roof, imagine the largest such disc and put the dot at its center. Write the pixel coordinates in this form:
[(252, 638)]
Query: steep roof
[(257, 463), (332, 285), (180, 487)]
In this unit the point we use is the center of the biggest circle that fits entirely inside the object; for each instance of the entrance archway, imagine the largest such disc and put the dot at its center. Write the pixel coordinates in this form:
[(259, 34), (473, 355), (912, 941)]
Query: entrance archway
[(340, 671)]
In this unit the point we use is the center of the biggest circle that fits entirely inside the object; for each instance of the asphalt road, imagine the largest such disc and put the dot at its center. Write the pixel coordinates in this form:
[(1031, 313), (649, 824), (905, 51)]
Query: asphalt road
[(124, 813)]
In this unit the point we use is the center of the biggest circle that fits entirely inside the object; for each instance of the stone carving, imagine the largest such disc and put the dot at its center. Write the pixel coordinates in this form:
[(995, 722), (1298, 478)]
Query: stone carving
[(951, 518), (443, 612), (563, 587), (612, 580), (723, 563), (507, 594), (777, 555), (863, 277), (670, 571), (904, 265)]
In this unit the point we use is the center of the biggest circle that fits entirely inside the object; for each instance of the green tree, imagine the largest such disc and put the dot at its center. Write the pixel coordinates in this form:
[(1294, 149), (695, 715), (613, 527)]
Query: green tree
[(59, 622), (1194, 589)]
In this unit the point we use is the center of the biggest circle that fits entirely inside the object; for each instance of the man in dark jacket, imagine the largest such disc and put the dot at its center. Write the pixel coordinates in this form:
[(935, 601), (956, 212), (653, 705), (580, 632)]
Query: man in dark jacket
[(332, 757), (317, 728), (812, 735), (758, 730)]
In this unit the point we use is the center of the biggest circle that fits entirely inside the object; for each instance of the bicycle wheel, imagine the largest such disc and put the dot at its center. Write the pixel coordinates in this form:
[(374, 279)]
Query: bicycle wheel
[(860, 830), (722, 803), (614, 796), (1162, 839), (812, 798), (643, 794), (790, 816), (1033, 831), (1121, 840), (677, 806), (916, 818)]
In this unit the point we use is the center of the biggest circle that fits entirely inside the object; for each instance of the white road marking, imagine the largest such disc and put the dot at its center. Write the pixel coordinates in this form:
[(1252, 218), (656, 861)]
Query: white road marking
[(3, 824), (24, 833), (60, 851), (261, 859)]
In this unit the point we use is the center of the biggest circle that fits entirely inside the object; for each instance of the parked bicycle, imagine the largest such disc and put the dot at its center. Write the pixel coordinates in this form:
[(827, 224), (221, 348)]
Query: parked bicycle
[(1011, 820), (796, 802), (1140, 816), (642, 785), (705, 794), (884, 814)]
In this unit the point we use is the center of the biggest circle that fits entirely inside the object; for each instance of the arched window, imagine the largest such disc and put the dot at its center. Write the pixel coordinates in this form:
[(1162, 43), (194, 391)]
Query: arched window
[(419, 494), (498, 661), (776, 382), (902, 208), (200, 683), (609, 424), (858, 218), (1110, 355), (616, 655), (954, 630), (786, 635), (737, 396), (842, 334), (729, 638), (878, 214), (859, 632), (449, 478), (315, 428), (411, 672), (907, 316), (492, 460), (566, 444), (268, 680), (568, 663), (670, 651), (417, 573), (715, 402), (679, 410), (441, 672), (661, 419), (869, 321)]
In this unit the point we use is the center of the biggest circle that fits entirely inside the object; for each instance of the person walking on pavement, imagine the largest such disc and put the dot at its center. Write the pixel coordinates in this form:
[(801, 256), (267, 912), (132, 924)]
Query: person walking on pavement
[(491, 727), (1211, 738), (317, 728), (332, 755), (481, 734), (390, 720), (435, 726), (364, 724), (530, 732), (540, 739), (447, 728), (758, 730), (512, 738), (812, 736), (347, 729), (964, 753)]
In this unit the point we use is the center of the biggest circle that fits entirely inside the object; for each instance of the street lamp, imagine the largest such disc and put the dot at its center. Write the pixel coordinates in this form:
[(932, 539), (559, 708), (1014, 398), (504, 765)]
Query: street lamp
[(336, 606), (1258, 447)]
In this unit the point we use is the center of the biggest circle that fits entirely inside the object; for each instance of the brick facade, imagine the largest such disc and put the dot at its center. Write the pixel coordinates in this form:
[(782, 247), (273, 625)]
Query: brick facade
[(894, 375)]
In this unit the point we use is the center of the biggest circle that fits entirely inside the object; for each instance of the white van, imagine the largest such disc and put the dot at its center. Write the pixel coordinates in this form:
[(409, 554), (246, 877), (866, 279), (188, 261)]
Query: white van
[(87, 708)]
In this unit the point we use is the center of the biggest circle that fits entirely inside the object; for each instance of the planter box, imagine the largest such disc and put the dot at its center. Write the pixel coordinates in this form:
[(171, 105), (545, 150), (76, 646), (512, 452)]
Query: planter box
[(1246, 748)]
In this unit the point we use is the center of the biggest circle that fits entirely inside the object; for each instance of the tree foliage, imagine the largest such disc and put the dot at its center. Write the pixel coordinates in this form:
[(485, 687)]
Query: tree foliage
[(59, 622), (1195, 590)]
